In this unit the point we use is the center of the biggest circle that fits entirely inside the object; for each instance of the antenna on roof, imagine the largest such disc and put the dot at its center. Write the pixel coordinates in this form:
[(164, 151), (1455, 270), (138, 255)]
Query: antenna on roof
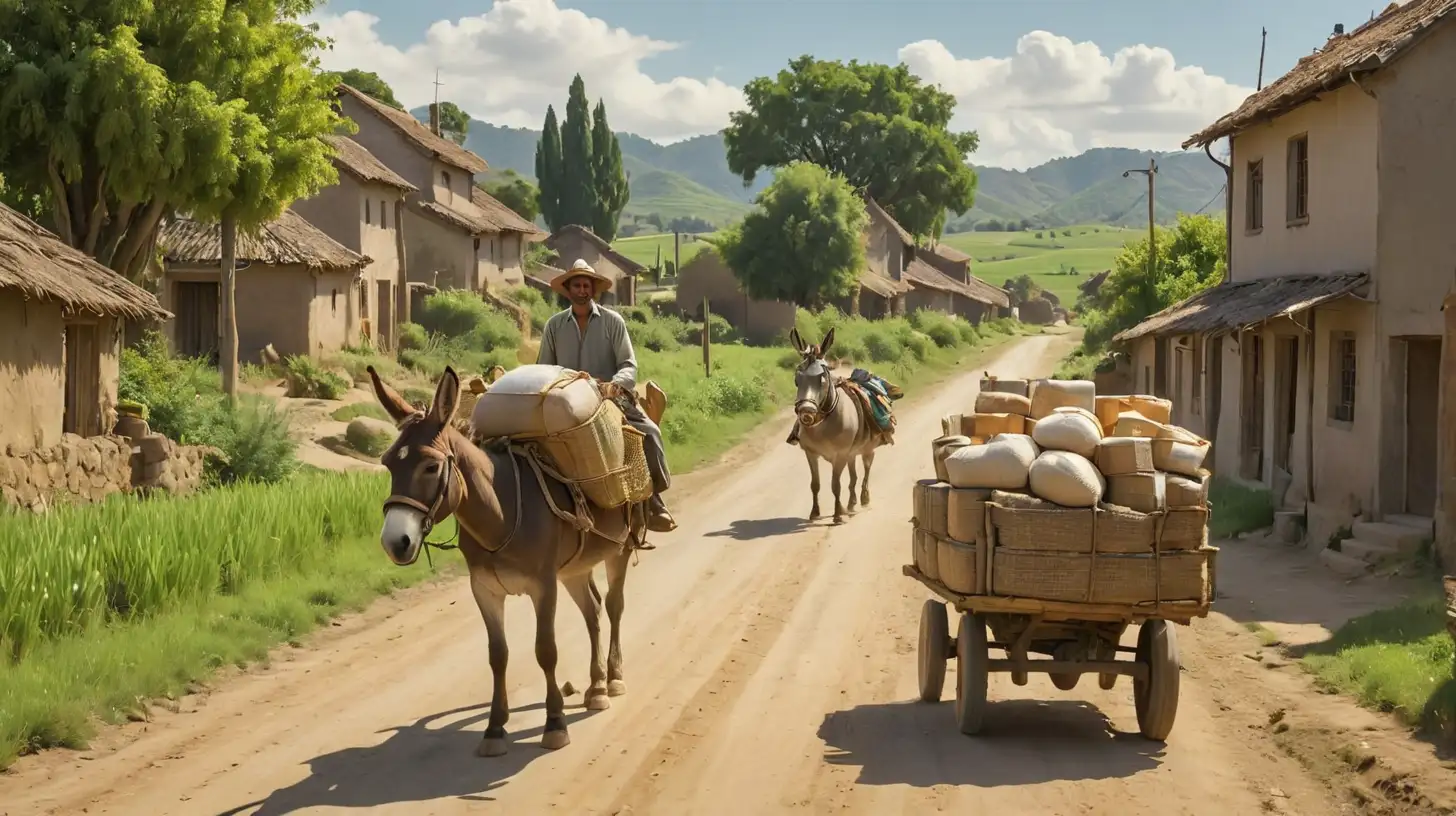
[(1263, 40), (437, 86)]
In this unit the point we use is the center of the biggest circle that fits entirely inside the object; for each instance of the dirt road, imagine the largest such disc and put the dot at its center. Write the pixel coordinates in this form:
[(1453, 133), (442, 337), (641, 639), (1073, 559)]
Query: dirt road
[(770, 666)]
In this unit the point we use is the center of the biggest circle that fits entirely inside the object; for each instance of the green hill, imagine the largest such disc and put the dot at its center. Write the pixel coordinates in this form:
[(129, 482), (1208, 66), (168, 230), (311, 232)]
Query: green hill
[(690, 178)]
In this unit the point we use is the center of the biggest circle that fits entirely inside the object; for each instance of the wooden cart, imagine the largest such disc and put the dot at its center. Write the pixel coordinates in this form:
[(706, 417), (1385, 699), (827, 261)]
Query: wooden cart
[(1079, 638)]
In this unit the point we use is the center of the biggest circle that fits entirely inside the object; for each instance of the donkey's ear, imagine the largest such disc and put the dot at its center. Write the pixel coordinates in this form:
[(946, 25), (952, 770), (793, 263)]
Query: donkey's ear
[(828, 341), (796, 340), (447, 397), (394, 405)]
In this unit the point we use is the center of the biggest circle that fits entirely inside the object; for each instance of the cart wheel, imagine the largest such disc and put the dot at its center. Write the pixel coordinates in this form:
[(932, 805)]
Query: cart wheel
[(1066, 681), (934, 650), (972, 672), (1156, 697)]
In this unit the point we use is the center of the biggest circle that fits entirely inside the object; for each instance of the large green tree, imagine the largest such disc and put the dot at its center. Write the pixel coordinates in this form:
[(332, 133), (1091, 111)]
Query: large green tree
[(454, 122), (801, 243), (515, 192), (578, 196), (610, 179), (116, 114), (548, 171), (879, 126), (370, 84)]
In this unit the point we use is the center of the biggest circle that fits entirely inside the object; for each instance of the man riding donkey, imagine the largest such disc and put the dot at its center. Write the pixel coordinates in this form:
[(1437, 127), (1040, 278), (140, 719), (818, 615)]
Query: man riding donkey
[(588, 338)]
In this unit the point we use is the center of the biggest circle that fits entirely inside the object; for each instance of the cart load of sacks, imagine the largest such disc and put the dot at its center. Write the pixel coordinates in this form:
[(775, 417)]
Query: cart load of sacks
[(1048, 491)]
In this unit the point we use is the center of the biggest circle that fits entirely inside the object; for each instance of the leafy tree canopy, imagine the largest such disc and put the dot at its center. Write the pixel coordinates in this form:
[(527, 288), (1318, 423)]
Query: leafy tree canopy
[(369, 83), (1192, 256), (515, 192), (880, 127), (118, 113), (454, 122), (802, 242)]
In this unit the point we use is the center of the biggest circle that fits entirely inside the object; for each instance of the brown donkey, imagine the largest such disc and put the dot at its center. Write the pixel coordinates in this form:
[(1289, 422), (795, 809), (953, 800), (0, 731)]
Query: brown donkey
[(833, 425), (515, 539)]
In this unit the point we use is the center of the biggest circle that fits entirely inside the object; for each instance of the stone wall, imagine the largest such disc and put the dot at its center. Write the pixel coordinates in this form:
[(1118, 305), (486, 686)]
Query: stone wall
[(85, 470)]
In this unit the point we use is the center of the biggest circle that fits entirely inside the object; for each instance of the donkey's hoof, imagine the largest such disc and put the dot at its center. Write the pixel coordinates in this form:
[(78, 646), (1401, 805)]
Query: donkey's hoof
[(491, 747), (598, 701), (617, 688), (555, 740), (865, 501), (839, 519), (815, 515)]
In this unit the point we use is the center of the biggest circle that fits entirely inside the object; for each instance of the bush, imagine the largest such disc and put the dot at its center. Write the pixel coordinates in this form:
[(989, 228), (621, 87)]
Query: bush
[(461, 315), (536, 303), (366, 440), (719, 329), (1235, 507), (941, 328), (255, 438), (306, 378), (412, 336)]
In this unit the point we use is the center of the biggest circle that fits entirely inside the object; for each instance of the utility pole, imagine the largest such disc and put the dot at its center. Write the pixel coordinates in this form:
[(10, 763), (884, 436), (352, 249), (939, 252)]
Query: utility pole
[(1263, 40), (1152, 223)]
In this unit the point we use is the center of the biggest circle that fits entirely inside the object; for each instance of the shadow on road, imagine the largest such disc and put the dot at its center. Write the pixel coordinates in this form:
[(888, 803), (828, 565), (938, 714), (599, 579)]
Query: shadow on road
[(420, 762), (1024, 742), (754, 529)]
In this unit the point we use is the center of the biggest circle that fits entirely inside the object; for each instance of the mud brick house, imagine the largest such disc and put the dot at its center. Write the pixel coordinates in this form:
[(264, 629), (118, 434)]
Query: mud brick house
[(574, 241), (363, 212), (61, 316), (1316, 366), (296, 288), (973, 299), (707, 276), (456, 236)]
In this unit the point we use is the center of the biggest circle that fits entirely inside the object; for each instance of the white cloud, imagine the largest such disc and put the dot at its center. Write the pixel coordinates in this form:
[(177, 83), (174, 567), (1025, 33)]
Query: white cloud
[(1052, 98), (1056, 98), (506, 65)]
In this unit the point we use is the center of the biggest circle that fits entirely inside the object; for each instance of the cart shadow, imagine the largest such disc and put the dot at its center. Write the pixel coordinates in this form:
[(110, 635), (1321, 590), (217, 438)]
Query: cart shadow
[(754, 529), (1024, 742), (419, 762)]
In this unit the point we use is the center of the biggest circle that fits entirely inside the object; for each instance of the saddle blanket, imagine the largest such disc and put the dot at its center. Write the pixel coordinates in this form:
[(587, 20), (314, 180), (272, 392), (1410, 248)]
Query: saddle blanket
[(881, 394)]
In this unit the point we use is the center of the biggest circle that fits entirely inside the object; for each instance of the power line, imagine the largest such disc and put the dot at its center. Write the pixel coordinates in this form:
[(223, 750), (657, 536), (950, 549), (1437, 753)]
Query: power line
[(1211, 200)]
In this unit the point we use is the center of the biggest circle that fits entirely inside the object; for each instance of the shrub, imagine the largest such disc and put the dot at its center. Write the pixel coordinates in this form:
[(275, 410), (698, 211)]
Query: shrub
[(412, 336), (306, 378), (536, 303), (367, 440), (939, 327), (254, 435), (461, 315), (720, 330), (882, 346), (176, 390)]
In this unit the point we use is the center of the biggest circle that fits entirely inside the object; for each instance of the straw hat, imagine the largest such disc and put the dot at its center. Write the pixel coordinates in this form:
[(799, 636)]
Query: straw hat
[(581, 268)]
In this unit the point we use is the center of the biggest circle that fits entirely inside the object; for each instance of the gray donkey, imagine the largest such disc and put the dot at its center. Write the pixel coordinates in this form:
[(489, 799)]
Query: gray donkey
[(516, 540), (834, 424)]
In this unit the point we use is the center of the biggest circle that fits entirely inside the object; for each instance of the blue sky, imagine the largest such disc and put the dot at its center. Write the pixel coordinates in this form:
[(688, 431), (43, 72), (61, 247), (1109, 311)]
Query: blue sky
[(670, 69)]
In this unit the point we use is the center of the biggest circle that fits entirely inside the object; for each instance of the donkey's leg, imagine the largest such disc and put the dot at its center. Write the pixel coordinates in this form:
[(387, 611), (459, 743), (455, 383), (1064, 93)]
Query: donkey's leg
[(492, 603), (813, 484), (616, 602), (869, 461), (835, 480), (545, 598), (853, 483), (583, 590)]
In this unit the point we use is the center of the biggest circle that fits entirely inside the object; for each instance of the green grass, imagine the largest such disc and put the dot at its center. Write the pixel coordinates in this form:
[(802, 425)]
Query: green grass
[(1397, 660), (107, 606), (353, 410), (1237, 508), (643, 248), (1049, 260), (673, 195)]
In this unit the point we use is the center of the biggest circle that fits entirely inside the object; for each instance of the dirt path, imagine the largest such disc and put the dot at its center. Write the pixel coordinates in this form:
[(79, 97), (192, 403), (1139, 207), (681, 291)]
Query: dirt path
[(770, 664)]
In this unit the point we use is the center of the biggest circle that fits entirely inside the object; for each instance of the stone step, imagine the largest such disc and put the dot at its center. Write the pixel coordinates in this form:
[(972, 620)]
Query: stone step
[(1289, 526), (1423, 523), (1396, 536), (1371, 553), (1343, 565)]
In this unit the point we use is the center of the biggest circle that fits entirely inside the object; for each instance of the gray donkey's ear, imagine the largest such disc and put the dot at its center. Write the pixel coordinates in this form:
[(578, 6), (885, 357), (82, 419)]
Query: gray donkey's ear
[(828, 341), (796, 340)]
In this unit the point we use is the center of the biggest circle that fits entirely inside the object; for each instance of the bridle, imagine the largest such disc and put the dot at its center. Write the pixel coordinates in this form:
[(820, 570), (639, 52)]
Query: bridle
[(449, 476), (828, 403)]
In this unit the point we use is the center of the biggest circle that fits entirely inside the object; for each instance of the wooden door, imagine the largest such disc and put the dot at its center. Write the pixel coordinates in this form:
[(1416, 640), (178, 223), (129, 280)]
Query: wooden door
[(198, 328), (83, 380), (1422, 383)]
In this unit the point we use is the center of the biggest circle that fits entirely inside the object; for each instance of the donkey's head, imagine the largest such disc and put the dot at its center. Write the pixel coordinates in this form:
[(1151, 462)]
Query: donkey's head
[(814, 377), (425, 482)]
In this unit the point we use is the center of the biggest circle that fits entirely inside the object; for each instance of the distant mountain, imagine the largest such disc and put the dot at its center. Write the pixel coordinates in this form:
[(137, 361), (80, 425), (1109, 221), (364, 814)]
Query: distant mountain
[(691, 179)]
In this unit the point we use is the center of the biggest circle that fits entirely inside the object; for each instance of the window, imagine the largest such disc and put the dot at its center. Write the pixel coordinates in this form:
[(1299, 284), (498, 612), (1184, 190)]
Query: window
[(334, 301), (383, 215), (1298, 197), (1342, 376), (1254, 206), (445, 182), (368, 213)]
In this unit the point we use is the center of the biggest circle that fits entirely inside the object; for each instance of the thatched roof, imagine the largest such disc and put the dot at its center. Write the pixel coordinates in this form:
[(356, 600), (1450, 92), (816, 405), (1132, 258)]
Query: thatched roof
[(502, 217), (419, 134), (949, 253), (986, 293), (1232, 306), (626, 264), (881, 285), (288, 241), (877, 213), (1368, 48), (351, 157), (40, 265), (482, 216)]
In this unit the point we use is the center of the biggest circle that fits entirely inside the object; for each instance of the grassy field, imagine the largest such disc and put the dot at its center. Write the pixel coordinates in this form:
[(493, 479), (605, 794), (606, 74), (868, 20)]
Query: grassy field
[(1049, 260), (672, 195), (643, 248)]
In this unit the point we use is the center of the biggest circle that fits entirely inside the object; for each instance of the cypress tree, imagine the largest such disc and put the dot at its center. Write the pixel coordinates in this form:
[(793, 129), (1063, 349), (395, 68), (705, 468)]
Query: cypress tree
[(578, 182), (610, 178), (548, 171)]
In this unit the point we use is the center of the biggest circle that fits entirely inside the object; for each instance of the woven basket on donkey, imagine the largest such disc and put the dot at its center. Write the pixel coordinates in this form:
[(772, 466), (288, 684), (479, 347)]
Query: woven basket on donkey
[(602, 456)]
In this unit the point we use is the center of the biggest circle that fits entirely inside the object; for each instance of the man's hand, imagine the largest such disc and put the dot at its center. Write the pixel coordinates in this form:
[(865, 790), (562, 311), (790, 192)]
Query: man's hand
[(609, 389)]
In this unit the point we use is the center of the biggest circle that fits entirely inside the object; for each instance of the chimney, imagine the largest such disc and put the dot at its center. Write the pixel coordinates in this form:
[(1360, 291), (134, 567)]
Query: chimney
[(435, 118), (1339, 29)]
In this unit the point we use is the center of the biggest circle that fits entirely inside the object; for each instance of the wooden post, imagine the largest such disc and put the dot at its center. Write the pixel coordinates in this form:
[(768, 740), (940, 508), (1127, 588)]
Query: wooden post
[(227, 290), (707, 343)]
